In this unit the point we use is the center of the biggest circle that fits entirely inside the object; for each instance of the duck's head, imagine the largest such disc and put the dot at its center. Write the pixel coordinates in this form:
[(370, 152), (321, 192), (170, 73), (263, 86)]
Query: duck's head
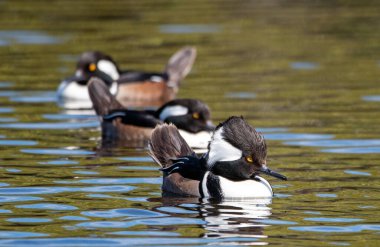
[(189, 115), (90, 64), (238, 152)]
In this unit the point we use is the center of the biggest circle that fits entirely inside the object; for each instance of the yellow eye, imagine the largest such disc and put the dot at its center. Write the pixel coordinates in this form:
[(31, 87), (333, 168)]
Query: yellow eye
[(92, 67), (196, 115), (249, 159)]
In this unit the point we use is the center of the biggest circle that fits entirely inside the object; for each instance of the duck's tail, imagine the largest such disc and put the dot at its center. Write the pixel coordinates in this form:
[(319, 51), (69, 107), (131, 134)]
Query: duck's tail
[(102, 99), (180, 64), (167, 144)]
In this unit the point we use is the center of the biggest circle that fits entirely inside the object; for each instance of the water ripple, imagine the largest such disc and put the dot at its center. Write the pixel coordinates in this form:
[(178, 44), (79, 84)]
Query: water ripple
[(96, 241), (47, 206), (6, 109), (165, 221), (17, 143), (304, 65), (136, 159), (296, 136), (57, 151), (6, 84), (6, 199), (29, 220), (337, 143), (74, 218), (34, 97), (363, 150), (53, 190), (16, 234), (240, 95), (147, 233), (176, 210), (27, 37), (330, 229), (42, 125), (123, 212), (333, 220), (359, 173), (371, 98), (121, 181), (185, 29)]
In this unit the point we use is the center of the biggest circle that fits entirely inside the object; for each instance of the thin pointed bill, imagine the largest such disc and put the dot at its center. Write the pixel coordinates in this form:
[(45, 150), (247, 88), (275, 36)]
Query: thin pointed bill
[(273, 173), (209, 126)]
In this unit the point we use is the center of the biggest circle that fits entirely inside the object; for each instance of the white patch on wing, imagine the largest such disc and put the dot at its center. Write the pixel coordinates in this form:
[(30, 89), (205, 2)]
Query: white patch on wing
[(245, 189), (221, 150), (109, 68), (176, 110), (156, 78), (196, 140)]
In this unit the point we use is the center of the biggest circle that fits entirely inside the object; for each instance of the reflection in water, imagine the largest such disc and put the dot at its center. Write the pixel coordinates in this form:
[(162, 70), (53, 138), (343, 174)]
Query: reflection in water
[(223, 219), (235, 218)]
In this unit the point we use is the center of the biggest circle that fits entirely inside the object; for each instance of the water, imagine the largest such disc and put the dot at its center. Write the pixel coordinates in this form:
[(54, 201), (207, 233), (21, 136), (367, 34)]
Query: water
[(304, 73)]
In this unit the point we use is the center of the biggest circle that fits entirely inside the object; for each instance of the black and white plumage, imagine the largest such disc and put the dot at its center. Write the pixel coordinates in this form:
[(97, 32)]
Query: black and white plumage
[(121, 125), (131, 88), (236, 156)]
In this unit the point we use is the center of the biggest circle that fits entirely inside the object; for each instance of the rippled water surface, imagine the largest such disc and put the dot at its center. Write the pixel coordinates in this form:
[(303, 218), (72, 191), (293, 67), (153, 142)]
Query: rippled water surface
[(305, 73)]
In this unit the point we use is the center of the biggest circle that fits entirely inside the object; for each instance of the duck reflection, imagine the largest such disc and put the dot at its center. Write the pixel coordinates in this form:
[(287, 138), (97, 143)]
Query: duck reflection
[(226, 218), (235, 218)]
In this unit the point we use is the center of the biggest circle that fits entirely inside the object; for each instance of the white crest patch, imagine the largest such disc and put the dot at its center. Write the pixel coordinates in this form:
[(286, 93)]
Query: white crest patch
[(176, 110), (109, 68), (221, 150), (196, 140)]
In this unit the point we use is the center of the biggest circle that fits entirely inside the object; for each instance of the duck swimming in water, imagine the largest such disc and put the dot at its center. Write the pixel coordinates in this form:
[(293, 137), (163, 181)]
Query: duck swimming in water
[(231, 167), (131, 88), (124, 126)]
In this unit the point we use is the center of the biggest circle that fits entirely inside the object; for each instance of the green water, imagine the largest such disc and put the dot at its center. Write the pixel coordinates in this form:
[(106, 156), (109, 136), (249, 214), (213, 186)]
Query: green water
[(300, 71)]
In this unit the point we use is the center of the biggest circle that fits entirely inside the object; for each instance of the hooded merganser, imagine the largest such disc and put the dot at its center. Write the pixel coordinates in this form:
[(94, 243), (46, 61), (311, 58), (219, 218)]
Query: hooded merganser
[(121, 125), (131, 88), (236, 156)]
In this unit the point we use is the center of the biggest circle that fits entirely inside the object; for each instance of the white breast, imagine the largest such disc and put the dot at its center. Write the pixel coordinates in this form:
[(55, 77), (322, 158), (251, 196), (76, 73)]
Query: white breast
[(243, 189), (73, 90)]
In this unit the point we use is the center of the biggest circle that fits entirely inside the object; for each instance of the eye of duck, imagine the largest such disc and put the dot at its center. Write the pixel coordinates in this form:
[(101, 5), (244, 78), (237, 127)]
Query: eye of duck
[(249, 159), (196, 115), (92, 67)]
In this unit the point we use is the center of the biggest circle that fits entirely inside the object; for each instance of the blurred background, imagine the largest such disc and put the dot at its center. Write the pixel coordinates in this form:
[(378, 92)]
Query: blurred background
[(305, 73)]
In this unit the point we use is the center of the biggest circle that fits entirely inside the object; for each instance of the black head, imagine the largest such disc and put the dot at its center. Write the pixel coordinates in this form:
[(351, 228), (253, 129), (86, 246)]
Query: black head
[(95, 63), (187, 114), (237, 151)]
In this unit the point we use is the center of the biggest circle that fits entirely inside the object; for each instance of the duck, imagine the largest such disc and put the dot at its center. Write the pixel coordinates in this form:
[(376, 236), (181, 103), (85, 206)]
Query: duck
[(123, 126), (231, 167), (131, 88)]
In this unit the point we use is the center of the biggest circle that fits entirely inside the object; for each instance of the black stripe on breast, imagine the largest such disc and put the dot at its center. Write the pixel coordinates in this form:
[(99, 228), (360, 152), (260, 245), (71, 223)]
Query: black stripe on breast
[(213, 186)]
